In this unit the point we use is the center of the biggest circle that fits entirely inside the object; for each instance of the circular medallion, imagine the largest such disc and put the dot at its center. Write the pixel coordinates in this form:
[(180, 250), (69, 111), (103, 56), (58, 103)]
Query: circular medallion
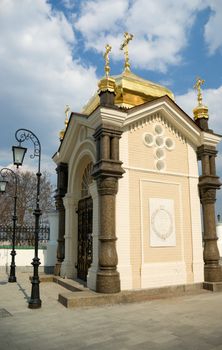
[(162, 223), (148, 139), (158, 129)]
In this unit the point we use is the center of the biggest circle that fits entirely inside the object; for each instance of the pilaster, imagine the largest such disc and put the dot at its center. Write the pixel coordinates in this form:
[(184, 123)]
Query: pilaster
[(71, 232)]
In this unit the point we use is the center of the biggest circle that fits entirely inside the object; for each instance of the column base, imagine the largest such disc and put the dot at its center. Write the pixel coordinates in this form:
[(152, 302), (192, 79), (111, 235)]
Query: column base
[(57, 268), (212, 273), (68, 270), (108, 282), (213, 286), (92, 277)]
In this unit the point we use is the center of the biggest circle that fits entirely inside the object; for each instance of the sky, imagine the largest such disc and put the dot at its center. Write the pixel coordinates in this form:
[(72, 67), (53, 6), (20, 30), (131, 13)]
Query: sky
[(51, 54)]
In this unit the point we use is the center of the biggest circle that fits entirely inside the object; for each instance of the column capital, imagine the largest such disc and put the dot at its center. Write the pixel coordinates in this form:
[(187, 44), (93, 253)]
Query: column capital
[(62, 178), (70, 200), (108, 163), (59, 202), (108, 129), (93, 189), (107, 168), (206, 150), (207, 195), (107, 185), (210, 181)]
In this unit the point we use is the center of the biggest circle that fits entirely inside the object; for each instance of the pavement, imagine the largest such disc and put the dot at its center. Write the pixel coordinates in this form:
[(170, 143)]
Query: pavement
[(183, 322)]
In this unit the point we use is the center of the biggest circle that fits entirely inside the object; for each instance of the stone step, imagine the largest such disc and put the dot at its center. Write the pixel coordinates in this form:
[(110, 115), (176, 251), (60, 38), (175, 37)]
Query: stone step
[(87, 298), (73, 286), (69, 284)]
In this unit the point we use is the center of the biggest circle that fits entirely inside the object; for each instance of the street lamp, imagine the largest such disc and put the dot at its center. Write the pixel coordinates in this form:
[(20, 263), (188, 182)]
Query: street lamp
[(3, 185), (22, 135)]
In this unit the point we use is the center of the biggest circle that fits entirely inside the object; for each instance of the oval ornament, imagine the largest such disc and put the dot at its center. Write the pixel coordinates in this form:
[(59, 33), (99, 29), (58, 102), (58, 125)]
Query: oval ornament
[(162, 223)]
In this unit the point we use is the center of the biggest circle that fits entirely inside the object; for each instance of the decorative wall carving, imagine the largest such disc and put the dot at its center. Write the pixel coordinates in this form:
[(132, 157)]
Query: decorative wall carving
[(162, 222), (160, 144)]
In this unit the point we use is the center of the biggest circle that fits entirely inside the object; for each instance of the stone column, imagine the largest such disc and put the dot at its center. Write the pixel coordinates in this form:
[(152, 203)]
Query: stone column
[(68, 268), (107, 170), (62, 182), (52, 243), (208, 184)]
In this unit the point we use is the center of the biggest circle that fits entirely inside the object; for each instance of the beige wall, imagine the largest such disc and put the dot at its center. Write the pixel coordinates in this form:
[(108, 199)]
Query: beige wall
[(143, 157), (145, 182)]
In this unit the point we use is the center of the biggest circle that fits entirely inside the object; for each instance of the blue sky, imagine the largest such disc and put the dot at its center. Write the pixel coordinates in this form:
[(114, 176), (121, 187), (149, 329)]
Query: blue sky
[(51, 54)]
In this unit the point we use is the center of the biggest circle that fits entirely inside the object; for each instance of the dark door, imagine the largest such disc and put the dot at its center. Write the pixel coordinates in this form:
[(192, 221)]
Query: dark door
[(85, 211)]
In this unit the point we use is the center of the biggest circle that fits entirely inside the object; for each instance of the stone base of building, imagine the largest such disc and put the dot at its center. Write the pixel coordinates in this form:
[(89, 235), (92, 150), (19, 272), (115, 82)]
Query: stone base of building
[(86, 298)]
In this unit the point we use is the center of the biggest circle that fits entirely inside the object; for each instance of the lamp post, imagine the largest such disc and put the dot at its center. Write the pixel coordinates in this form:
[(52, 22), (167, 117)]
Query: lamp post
[(3, 185), (22, 135)]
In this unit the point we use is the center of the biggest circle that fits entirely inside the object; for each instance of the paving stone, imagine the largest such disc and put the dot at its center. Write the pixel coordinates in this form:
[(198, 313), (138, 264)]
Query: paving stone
[(184, 322)]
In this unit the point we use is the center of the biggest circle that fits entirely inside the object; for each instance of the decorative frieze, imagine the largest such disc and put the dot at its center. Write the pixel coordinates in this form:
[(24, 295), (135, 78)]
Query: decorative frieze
[(157, 119)]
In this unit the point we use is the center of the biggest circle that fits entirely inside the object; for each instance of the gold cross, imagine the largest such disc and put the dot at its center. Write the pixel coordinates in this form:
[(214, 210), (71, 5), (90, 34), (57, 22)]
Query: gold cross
[(124, 47), (197, 86), (106, 56)]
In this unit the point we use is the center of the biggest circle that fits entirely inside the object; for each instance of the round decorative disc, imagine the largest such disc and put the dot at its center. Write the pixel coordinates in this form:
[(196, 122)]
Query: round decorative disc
[(162, 223)]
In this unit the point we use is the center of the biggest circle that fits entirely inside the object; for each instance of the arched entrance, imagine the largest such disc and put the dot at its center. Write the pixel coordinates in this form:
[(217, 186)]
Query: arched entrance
[(85, 225)]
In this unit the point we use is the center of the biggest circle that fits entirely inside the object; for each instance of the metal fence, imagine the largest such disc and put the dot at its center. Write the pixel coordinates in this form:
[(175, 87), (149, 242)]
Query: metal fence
[(24, 236)]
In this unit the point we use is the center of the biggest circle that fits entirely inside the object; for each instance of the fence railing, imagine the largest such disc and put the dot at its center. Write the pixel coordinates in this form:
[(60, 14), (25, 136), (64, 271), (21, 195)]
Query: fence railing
[(24, 236)]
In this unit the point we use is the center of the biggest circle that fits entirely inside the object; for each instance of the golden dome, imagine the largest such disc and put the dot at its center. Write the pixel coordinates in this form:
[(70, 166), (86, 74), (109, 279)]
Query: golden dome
[(200, 112), (131, 90)]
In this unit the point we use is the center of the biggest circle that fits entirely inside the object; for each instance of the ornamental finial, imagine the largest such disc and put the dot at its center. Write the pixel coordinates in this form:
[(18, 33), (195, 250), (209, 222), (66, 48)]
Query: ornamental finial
[(197, 86), (106, 56), (62, 132), (124, 47), (201, 111), (67, 112)]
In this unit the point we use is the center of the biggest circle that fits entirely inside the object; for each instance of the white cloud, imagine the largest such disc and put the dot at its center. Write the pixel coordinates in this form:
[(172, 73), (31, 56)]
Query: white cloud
[(213, 27), (41, 71), (160, 28), (212, 98), (39, 75), (98, 17)]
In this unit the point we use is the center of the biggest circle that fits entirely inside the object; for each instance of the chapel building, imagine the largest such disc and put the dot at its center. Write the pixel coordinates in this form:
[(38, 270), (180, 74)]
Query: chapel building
[(129, 194)]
